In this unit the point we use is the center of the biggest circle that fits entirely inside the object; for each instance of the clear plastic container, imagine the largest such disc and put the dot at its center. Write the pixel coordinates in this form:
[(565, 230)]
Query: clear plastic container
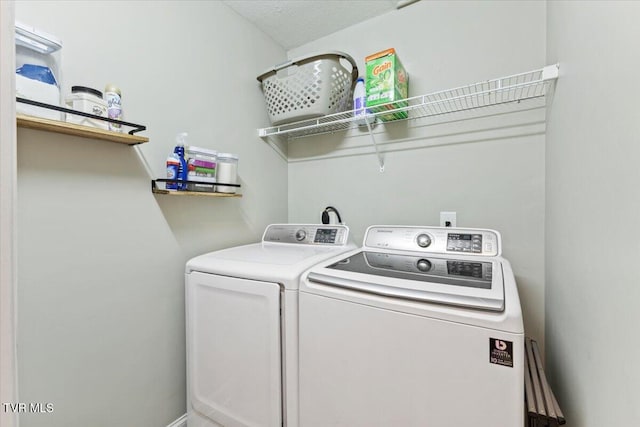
[(38, 69), (202, 167), (227, 172)]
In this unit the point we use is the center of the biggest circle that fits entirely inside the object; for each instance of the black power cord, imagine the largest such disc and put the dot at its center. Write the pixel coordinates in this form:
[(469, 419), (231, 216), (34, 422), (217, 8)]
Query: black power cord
[(325, 214)]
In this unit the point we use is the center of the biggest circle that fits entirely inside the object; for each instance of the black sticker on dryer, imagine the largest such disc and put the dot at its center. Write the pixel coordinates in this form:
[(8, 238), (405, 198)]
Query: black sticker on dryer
[(501, 352)]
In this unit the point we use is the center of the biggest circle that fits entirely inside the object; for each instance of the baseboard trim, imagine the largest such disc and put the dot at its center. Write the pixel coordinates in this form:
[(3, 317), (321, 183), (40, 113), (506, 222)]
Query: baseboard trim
[(180, 422)]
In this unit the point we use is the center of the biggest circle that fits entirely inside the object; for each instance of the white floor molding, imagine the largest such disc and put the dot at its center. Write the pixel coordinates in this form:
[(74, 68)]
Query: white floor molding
[(180, 422)]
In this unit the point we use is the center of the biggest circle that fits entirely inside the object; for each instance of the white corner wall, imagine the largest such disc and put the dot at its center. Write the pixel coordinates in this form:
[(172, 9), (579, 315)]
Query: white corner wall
[(490, 170), (101, 259), (592, 212), (8, 246)]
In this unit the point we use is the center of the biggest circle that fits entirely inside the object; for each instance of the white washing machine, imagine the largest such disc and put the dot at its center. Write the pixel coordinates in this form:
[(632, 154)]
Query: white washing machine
[(420, 327), (242, 308)]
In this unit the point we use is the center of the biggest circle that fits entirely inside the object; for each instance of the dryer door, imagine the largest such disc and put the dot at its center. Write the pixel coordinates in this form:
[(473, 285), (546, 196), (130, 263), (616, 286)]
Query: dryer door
[(233, 350)]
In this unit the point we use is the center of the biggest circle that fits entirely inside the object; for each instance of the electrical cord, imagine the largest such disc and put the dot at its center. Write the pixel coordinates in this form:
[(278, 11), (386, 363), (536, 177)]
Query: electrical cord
[(325, 215)]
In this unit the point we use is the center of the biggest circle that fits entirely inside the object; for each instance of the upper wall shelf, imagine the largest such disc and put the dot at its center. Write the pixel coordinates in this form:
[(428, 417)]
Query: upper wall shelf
[(67, 128), (511, 89), (77, 130)]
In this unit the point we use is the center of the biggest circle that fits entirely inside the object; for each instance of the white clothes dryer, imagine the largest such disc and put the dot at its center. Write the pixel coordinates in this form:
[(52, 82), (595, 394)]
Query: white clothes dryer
[(421, 327), (242, 331)]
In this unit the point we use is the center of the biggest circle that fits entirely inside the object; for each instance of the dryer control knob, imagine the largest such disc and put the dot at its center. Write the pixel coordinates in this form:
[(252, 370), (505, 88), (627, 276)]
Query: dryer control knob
[(423, 265), (423, 240), (300, 235)]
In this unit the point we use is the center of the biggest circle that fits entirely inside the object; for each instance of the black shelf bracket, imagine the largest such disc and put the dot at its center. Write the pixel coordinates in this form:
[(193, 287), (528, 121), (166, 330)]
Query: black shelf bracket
[(155, 181), (136, 127)]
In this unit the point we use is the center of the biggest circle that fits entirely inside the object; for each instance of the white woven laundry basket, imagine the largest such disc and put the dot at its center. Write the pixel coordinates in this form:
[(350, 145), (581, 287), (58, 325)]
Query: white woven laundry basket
[(309, 87)]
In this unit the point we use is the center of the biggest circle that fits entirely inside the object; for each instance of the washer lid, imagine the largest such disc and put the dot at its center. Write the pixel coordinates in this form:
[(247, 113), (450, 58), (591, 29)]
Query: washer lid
[(286, 251), (465, 282), (274, 254), (273, 262)]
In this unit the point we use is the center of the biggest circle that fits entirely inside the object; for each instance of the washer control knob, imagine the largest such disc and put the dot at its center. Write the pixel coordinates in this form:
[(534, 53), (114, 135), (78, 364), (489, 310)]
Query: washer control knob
[(423, 240), (423, 265), (300, 235)]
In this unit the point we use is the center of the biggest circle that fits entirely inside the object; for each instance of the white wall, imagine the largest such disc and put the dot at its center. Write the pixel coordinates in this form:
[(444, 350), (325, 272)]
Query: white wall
[(101, 259), (592, 210), (8, 247), (489, 170)]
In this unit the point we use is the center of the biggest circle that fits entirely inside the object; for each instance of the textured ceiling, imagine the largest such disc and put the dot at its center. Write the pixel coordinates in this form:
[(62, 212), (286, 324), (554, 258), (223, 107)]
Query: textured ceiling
[(294, 23)]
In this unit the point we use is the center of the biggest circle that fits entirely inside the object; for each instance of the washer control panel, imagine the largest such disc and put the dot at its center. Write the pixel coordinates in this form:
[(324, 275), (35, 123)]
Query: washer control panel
[(464, 242), (307, 234), (444, 240)]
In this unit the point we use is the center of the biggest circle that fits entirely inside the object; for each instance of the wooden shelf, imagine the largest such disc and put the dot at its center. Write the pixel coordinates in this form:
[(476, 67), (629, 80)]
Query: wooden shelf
[(193, 193), (156, 190), (78, 130)]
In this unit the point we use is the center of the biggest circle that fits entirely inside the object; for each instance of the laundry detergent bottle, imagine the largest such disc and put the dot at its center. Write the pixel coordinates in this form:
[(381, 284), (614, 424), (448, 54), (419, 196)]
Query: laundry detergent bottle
[(359, 103), (173, 170)]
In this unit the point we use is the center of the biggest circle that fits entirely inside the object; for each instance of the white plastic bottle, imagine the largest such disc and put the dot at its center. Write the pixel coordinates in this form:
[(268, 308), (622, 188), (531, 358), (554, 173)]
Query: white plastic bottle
[(113, 97), (359, 103)]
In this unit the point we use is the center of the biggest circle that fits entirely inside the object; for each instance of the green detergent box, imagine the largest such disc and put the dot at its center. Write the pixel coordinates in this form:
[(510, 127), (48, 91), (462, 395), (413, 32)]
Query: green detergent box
[(387, 83)]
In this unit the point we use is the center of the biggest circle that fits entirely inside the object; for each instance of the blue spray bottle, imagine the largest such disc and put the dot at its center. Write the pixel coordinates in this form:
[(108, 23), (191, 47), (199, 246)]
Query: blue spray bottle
[(182, 168)]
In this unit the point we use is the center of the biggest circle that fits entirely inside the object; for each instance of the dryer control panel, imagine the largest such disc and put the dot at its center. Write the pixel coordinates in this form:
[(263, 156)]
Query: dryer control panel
[(443, 240), (307, 234)]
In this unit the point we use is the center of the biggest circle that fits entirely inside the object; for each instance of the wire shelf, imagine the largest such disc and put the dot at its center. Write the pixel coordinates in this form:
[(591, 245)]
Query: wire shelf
[(511, 89)]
